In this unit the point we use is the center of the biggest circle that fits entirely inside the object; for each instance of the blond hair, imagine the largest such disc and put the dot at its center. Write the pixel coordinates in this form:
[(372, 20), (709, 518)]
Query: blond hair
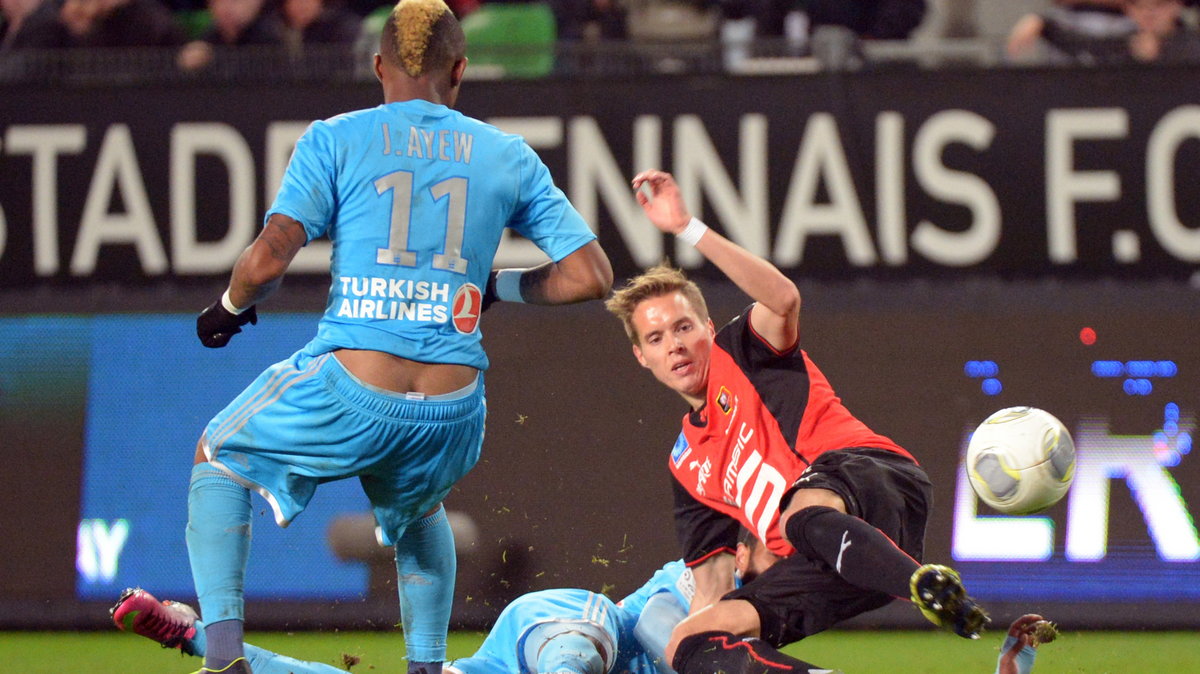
[(657, 281), (422, 36)]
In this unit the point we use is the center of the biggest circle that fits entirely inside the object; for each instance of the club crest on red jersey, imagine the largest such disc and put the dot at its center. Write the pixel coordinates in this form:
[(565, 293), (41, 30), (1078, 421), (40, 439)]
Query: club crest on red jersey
[(468, 302), (725, 400)]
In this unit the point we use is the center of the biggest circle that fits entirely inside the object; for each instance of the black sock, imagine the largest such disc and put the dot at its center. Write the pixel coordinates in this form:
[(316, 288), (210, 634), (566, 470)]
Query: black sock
[(416, 667), (709, 652), (860, 553)]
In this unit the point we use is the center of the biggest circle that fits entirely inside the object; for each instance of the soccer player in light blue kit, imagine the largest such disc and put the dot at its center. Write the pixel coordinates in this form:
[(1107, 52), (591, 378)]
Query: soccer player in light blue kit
[(568, 631), (574, 631), (415, 197)]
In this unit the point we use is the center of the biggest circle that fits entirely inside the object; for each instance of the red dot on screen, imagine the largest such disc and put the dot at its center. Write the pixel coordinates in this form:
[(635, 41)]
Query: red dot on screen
[(1087, 336)]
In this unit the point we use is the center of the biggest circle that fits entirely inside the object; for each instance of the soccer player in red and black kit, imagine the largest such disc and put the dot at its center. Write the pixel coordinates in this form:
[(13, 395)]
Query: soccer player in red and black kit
[(768, 445)]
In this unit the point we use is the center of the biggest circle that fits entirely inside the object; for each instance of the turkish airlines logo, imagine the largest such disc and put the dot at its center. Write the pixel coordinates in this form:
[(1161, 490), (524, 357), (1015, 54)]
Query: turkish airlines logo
[(468, 302)]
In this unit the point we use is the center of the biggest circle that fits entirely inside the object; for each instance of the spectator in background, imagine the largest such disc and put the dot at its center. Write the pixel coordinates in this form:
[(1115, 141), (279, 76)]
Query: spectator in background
[(316, 22), (60, 24), (14, 27), (121, 23), (1107, 31), (235, 23), (1079, 31), (1160, 33)]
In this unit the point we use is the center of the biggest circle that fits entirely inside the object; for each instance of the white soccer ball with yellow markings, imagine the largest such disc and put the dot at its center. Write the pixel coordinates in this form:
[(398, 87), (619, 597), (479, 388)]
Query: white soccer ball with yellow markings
[(1021, 460)]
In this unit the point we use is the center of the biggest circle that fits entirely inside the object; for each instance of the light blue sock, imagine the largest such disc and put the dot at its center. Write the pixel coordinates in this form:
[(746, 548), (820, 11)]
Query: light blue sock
[(425, 568), (261, 660), (570, 653), (1024, 659), (197, 645), (218, 540)]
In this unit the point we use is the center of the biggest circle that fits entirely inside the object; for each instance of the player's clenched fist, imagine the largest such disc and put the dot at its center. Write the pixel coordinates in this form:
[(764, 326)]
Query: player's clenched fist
[(216, 325)]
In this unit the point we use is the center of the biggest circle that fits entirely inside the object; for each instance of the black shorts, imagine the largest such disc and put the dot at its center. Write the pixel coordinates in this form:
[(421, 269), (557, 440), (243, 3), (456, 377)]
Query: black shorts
[(798, 596)]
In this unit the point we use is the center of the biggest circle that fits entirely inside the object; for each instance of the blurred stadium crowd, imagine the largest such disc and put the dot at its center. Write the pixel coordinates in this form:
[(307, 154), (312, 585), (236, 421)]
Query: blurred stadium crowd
[(51, 38)]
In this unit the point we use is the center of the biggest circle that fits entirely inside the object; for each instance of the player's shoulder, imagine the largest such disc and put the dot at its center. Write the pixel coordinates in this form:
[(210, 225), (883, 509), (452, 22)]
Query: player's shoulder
[(349, 119), (329, 129), (497, 137)]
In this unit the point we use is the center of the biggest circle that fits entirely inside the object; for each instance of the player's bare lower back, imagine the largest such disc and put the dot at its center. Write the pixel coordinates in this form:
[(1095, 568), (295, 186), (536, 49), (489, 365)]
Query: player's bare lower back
[(393, 373)]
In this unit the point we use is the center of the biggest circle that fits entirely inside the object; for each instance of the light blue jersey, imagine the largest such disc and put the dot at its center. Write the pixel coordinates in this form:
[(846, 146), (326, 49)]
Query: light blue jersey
[(673, 577), (415, 197), (532, 620)]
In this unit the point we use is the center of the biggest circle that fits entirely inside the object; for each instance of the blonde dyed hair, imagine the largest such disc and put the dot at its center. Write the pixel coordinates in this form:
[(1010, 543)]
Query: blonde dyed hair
[(657, 281), (422, 36)]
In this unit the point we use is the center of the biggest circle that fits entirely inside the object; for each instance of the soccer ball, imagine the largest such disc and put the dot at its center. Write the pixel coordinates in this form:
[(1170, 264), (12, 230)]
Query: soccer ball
[(1021, 460)]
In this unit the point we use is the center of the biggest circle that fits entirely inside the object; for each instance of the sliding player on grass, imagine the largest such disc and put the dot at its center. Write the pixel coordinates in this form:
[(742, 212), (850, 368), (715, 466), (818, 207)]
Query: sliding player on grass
[(558, 630)]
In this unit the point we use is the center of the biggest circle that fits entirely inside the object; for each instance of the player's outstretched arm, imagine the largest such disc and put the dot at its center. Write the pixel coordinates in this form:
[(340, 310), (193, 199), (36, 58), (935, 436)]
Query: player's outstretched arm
[(776, 316), (256, 274), (585, 274)]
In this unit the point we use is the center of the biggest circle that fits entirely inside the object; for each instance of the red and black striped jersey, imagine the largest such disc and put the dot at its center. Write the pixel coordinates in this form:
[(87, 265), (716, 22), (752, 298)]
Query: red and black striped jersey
[(767, 416)]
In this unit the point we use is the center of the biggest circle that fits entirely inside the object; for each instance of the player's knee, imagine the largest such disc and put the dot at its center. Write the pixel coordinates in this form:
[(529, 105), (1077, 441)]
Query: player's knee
[(805, 524), (804, 499), (571, 652)]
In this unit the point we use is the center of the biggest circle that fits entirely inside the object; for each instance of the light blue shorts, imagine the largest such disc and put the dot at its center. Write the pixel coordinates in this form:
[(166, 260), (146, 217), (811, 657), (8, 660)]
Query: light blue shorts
[(307, 420)]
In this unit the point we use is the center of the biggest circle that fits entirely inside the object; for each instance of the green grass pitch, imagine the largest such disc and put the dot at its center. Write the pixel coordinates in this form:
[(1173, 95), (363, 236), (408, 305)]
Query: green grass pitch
[(852, 651)]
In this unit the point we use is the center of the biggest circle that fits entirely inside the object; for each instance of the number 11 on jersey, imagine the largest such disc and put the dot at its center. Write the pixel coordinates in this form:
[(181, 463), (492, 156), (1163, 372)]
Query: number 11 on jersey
[(400, 185)]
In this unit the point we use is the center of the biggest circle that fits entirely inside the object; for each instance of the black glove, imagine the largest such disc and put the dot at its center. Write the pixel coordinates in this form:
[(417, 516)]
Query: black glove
[(216, 325), (489, 293)]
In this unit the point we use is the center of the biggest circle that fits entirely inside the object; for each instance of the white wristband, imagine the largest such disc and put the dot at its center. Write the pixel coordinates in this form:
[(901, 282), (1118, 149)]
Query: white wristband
[(228, 304), (508, 285), (692, 233)]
